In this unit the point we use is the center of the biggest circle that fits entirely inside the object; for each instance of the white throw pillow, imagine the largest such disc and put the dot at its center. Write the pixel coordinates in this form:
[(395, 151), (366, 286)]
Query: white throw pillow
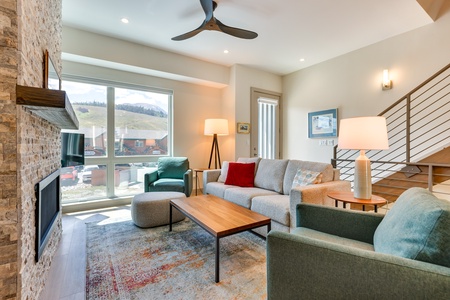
[(223, 172)]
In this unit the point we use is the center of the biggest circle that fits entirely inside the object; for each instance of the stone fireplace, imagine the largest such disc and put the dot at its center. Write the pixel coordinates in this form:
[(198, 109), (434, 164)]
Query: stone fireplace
[(29, 145)]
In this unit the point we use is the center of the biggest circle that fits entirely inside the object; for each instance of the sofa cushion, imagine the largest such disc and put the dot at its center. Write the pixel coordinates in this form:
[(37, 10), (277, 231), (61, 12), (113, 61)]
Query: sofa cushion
[(223, 172), (255, 160), (172, 167), (294, 165), (275, 207), (306, 177), (244, 196), (217, 189), (270, 174), (241, 174), (417, 227)]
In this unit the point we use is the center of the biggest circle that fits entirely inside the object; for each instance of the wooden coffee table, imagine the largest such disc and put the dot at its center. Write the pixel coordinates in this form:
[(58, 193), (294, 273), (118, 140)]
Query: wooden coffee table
[(218, 217)]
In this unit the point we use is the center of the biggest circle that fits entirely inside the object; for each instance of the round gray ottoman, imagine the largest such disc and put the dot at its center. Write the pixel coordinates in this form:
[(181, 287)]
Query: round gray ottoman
[(153, 209)]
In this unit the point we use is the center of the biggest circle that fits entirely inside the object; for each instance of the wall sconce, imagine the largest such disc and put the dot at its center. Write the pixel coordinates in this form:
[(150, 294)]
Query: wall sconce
[(387, 82)]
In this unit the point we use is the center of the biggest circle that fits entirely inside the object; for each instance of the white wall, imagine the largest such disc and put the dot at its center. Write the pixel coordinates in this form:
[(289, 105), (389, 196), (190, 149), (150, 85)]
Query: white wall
[(352, 82), (104, 51), (201, 90), (246, 78)]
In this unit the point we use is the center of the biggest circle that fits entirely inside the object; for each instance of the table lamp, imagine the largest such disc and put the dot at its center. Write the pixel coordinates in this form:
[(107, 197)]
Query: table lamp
[(363, 133), (215, 127)]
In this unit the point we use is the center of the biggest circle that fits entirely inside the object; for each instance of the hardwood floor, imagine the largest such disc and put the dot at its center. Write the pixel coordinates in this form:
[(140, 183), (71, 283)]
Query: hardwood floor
[(67, 277)]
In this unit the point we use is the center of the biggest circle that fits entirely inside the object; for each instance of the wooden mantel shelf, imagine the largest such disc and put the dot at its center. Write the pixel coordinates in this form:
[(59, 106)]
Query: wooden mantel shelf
[(51, 105)]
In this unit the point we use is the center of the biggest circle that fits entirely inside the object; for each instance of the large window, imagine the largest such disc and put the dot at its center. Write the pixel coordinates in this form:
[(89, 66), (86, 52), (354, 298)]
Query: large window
[(126, 129)]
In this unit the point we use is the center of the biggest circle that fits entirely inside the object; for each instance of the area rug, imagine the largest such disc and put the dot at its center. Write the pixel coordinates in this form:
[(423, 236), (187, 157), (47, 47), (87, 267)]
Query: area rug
[(127, 262)]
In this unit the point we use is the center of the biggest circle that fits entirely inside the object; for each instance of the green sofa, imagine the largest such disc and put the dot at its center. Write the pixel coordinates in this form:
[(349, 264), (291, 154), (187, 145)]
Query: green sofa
[(342, 254)]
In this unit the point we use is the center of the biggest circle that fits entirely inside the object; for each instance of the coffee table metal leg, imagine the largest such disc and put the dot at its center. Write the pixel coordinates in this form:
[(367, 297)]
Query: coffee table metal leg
[(269, 227), (217, 259), (170, 217)]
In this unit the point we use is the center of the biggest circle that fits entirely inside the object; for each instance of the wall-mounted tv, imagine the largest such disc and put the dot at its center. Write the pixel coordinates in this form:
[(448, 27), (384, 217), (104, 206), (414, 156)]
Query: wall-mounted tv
[(72, 149)]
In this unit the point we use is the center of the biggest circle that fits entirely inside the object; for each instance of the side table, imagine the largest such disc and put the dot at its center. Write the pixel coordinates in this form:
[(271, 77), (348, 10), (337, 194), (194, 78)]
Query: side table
[(196, 171), (347, 197)]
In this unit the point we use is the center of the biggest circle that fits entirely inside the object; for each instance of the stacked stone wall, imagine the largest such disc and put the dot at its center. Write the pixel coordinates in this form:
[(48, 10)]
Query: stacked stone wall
[(29, 145), (8, 150)]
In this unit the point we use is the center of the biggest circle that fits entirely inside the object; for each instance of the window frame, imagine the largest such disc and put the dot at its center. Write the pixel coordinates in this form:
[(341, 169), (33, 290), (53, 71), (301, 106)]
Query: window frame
[(110, 160)]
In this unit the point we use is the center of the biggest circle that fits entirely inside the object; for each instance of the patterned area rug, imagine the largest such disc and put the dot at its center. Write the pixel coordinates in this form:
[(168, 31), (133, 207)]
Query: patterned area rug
[(127, 262)]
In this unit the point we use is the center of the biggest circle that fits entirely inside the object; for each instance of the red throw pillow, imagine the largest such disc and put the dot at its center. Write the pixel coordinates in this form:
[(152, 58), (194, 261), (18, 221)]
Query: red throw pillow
[(241, 174)]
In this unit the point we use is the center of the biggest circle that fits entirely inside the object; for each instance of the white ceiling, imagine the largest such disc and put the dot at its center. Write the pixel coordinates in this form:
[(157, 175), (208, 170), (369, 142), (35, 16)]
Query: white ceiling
[(316, 30)]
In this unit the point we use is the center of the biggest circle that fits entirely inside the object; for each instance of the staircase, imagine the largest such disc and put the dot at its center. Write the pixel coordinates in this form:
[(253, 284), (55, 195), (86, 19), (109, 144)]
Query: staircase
[(419, 139)]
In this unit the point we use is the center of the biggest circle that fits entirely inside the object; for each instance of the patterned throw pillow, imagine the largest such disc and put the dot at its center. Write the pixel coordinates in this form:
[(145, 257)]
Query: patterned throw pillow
[(306, 177)]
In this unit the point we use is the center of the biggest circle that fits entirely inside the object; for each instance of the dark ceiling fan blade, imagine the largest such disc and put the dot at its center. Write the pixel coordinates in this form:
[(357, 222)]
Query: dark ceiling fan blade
[(208, 8), (211, 23), (237, 32), (187, 35)]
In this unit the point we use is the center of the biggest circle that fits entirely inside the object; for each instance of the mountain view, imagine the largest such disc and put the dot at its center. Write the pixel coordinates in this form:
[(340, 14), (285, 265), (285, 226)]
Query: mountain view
[(131, 116)]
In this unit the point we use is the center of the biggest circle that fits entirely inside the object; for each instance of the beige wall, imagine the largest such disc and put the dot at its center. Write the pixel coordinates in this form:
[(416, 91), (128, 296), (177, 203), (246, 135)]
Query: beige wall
[(352, 82)]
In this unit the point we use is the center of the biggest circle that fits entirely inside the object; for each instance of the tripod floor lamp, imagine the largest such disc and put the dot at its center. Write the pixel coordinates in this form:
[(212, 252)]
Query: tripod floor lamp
[(215, 127)]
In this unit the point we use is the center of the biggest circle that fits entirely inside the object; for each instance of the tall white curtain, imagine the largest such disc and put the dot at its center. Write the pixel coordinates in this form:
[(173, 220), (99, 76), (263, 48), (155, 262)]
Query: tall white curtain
[(267, 118)]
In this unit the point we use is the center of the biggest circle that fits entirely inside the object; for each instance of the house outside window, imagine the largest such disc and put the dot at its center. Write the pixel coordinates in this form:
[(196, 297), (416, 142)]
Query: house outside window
[(138, 144), (126, 129)]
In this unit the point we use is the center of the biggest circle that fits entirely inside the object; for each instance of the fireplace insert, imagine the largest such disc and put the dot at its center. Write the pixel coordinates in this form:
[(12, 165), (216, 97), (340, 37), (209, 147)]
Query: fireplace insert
[(47, 209)]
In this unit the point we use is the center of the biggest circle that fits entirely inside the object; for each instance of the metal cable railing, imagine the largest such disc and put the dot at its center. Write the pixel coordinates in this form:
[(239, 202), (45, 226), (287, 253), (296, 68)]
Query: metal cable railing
[(418, 127)]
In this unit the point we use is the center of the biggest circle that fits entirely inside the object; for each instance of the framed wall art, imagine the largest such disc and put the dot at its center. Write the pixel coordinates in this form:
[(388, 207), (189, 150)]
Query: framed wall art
[(52, 80), (322, 123), (243, 128)]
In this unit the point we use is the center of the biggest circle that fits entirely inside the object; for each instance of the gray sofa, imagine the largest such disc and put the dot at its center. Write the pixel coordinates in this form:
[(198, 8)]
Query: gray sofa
[(343, 254), (272, 194)]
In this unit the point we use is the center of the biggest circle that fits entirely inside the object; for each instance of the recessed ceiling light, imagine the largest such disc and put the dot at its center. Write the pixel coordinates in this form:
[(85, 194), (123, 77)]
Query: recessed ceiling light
[(125, 20), (302, 59), (226, 51)]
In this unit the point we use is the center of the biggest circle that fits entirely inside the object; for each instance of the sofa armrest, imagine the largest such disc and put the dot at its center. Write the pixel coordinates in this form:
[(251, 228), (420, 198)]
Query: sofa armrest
[(315, 194), (355, 225), (149, 178), (317, 269), (188, 182), (210, 176)]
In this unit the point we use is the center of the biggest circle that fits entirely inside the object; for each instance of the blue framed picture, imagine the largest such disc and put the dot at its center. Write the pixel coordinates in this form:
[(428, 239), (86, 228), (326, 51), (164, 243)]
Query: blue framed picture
[(322, 124)]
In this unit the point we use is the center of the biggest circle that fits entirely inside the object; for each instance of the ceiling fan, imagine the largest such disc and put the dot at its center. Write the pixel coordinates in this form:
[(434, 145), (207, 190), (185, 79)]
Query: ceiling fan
[(211, 23)]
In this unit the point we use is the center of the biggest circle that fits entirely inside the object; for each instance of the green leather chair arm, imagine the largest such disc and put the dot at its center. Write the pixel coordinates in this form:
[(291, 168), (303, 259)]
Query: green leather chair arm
[(150, 178), (306, 268), (188, 182), (355, 225)]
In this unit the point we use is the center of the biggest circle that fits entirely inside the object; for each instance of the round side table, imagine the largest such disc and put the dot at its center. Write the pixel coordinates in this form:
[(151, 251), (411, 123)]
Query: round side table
[(347, 197), (196, 171)]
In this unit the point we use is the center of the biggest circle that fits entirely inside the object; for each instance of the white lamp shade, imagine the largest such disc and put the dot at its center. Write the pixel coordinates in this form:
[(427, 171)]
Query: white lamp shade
[(216, 126), (363, 133)]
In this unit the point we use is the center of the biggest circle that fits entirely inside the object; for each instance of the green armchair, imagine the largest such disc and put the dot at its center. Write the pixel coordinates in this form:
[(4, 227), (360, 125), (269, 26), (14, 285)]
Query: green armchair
[(173, 174), (342, 254)]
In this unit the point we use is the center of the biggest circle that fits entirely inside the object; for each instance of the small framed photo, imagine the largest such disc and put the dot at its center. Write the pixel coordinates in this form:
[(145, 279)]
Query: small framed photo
[(322, 123), (243, 128)]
